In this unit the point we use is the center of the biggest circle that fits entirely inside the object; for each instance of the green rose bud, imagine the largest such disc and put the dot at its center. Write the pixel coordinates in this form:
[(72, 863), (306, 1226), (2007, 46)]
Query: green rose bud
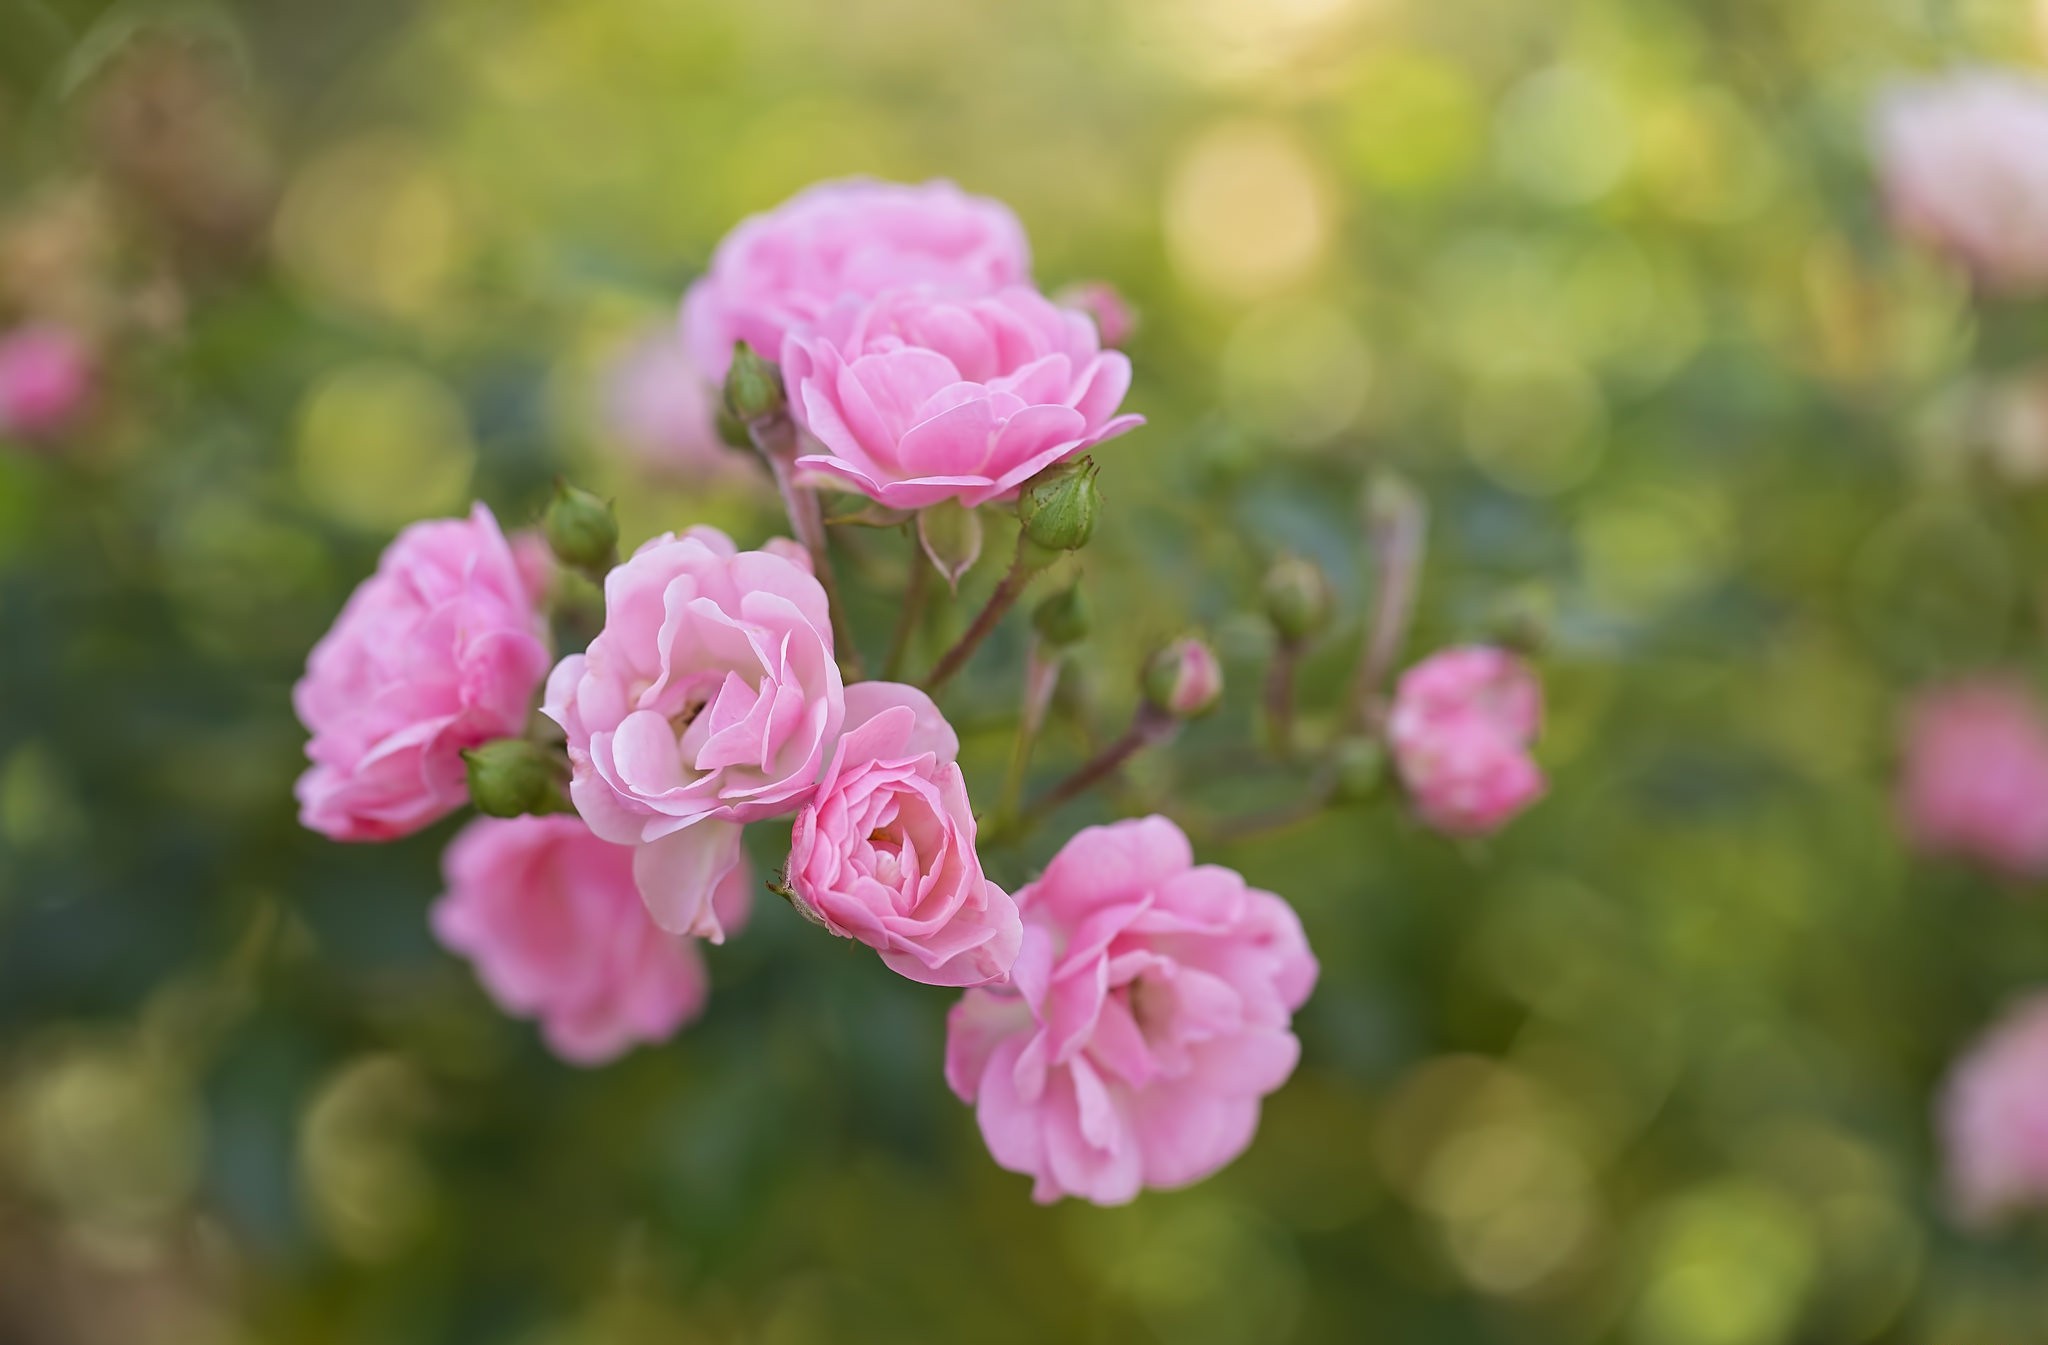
[(1297, 598), (1062, 619), (1359, 767), (1057, 507), (581, 530), (732, 431), (753, 386), (509, 777)]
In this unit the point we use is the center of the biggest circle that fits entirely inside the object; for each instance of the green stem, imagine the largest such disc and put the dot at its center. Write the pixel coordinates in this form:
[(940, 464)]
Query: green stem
[(775, 438), (1012, 586), (1150, 727), (915, 592)]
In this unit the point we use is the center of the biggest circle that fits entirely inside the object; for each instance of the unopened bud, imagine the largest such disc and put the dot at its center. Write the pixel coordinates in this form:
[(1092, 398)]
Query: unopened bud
[(1184, 679), (1359, 765), (753, 386), (1297, 598), (1057, 507), (1062, 619), (732, 431), (510, 777), (950, 534), (1522, 618), (581, 530)]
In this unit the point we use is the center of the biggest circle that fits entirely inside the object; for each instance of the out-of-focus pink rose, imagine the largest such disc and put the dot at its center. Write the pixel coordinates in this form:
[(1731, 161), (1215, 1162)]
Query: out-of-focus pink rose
[(1115, 319), (780, 271), (1994, 1117), (1460, 730), (1184, 679), (46, 377), (549, 915), (884, 852), (708, 700), (1964, 165), (535, 560), (439, 650), (1976, 775), (660, 404), (1148, 1013), (918, 398)]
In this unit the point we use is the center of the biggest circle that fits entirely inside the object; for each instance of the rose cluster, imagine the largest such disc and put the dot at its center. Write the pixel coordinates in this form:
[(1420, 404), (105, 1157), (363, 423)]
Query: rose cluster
[(1126, 1012)]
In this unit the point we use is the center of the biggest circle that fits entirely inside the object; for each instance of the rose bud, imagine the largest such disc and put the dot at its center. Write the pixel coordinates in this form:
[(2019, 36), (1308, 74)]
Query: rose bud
[(1297, 598), (1113, 315), (45, 381), (1184, 679), (1975, 783), (582, 530), (1062, 619), (1359, 768), (753, 386), (510, 777), (1058, 507)]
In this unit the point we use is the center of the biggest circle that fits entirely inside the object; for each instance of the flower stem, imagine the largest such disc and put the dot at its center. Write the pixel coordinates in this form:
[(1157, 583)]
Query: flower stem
[(1149, 727), (1398, 524), (775, 438), (1280, 697), (1041, 680), (1012, 586), (914, 594)]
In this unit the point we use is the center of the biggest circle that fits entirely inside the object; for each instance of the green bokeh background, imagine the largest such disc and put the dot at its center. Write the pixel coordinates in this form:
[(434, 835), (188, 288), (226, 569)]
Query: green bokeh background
[(1606, 279)]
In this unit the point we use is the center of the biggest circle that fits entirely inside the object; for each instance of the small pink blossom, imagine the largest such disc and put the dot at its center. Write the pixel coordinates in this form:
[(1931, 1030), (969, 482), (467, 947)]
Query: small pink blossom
[(884, 852), (1115, 319), (1975, 783), (1994, 1118), (46, 376), (1964, 165), (550, 917), (1460, 730), (1184, 679), (440, 650), (709, 700), (918, 398), (780, 271), (663, 408), (1149, 1011)]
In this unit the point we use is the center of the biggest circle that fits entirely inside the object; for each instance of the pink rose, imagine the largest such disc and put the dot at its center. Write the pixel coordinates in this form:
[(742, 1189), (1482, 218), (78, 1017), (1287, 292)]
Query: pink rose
[(1994, 1118), (780, 271), (1184, 679), (550, 916), (661, 405), (440, 650), (1964, 165), (45, 381), (1147, 1014), (884, 852), (1114, 317), (1460, 731), (1975, 782), (918, 397), (708, 700)]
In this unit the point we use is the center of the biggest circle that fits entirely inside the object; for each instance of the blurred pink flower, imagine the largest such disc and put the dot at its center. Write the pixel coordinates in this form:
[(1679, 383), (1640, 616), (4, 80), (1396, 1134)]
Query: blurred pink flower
[(440, 650), (1460, 730), (46, 377), (918, 398), (884, 852), (1975, 783), (1148, 1013), (709, 699), (1115, 319), (663, 408), (780, 271), (1994, 1117), (1964, 166), (549, 915)]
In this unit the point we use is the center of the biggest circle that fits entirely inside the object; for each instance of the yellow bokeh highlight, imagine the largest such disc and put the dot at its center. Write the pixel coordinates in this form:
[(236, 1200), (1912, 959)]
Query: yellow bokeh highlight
[(1564, 135), (1415, 124), (365, 1182), (1731, 1266), (373, 224), (381, 443), (1248, 212), (1297, 371)]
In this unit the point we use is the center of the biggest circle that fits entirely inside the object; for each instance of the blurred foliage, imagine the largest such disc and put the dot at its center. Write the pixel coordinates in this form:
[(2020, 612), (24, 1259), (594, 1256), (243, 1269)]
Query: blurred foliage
[(1606, 277)]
